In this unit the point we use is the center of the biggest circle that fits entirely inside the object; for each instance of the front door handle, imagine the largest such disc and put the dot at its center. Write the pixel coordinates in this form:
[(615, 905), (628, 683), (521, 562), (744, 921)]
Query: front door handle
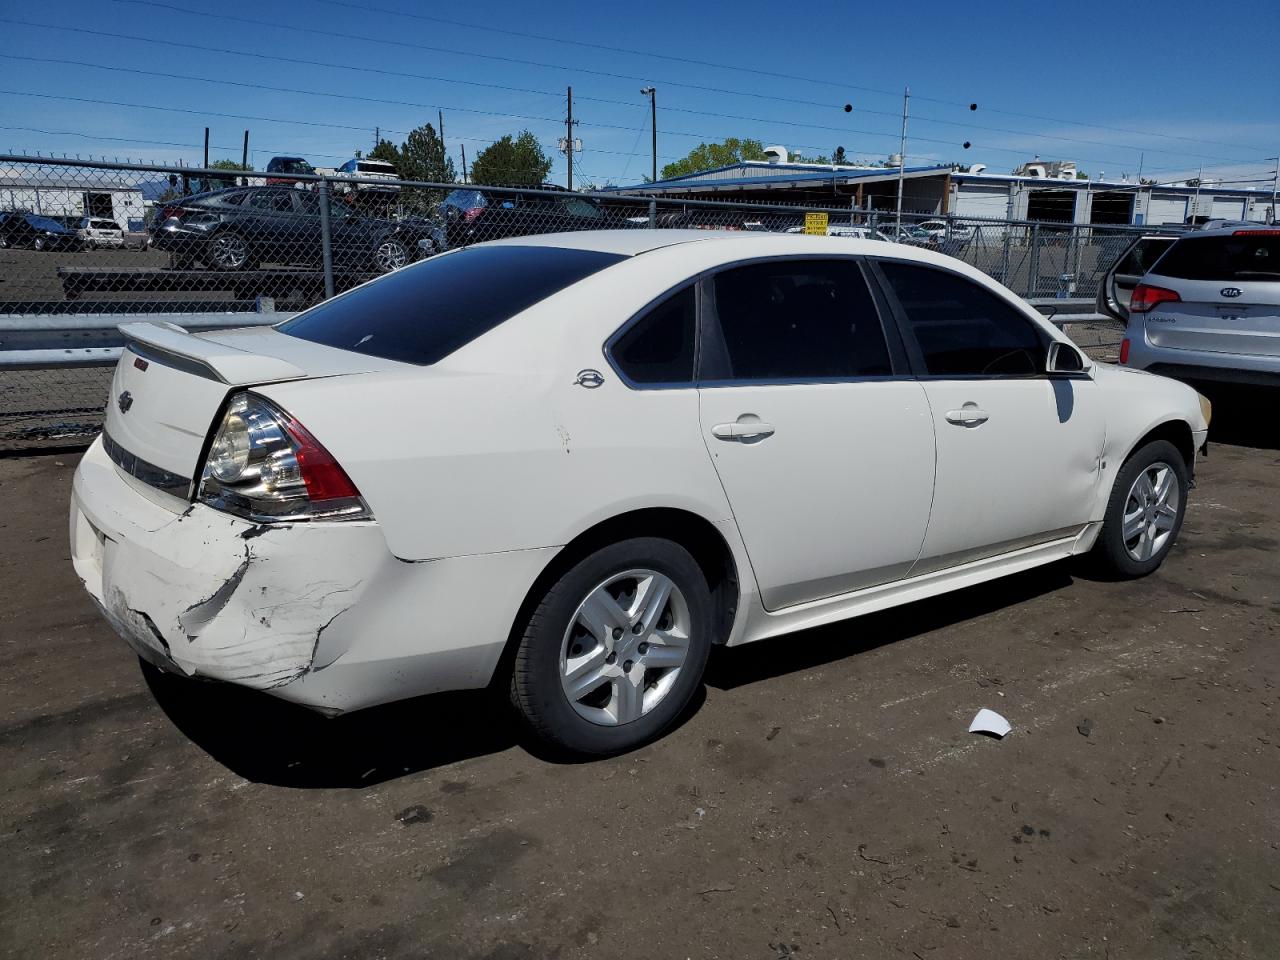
[(742, 430), (970, 415)]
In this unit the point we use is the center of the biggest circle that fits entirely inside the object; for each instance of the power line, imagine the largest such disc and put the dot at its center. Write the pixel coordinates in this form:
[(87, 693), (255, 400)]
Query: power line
[(547, 93), (754, 71), (561, 67)]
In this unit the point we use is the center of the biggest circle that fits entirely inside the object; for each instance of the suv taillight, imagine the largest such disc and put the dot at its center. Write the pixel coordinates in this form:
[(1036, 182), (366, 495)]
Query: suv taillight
[(472, 214), (264, 465), (1145, 297)]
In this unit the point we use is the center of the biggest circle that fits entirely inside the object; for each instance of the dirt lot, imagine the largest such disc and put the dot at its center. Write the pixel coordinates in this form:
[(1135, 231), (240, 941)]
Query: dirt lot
[(824, 799)]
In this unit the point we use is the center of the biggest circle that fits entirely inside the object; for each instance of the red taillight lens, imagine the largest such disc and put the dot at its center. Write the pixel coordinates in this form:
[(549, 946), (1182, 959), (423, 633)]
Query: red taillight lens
[(324, 477), (472, 214), (1256, 233), (1145, 297), (1124, 350)]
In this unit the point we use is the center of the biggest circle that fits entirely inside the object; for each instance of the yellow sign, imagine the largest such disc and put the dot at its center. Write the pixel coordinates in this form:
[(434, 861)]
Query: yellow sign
[(815, 224)]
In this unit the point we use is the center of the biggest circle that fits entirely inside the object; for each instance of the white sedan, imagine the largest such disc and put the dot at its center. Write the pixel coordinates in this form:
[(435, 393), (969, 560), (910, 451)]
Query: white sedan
[(569, 465)]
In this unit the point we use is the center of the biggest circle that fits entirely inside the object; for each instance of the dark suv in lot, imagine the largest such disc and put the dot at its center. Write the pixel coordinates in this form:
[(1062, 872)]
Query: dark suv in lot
[(243, 228)]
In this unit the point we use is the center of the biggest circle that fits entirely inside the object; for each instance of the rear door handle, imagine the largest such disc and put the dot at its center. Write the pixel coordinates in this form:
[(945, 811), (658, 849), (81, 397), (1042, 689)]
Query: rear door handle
[(970, 415), (742, 430)]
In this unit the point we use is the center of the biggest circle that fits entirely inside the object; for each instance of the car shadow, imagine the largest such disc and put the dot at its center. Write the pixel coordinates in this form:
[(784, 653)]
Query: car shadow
[(267, 740), (1242, 415), (732, 667)]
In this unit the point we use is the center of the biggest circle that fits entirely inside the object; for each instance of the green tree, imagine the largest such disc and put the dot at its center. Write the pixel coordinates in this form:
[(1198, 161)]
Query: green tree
[(707, 156), (385, 150), (801, 158), (423, 157), (517, 161)]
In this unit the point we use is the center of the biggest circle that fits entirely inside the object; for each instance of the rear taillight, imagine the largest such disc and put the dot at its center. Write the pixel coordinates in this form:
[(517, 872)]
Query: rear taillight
[(1145, 297), (166, 213), (266, 466), (1124, 350), (472, 214), (1257, 233)]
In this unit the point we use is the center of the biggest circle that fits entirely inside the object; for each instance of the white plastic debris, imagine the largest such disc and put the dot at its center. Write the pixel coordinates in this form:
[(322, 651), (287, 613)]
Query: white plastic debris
[(988, 721)]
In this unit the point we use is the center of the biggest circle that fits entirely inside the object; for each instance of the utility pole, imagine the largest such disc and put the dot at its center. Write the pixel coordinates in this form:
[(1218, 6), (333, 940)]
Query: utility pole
[(442, 146), (1275, 190), (652, 94), (568, 140), (902, 156), (206, 148), (1195, 204), (464, 164), (377, 137), (244, 154)]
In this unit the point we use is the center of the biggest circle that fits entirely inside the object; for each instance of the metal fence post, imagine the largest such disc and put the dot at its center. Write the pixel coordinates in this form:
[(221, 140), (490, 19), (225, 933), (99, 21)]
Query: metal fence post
[(1033, 274), (653, 214), (326, 239)]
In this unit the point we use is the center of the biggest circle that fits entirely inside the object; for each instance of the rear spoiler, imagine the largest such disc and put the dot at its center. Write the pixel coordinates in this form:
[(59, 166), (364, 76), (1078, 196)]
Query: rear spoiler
[(173, 346)]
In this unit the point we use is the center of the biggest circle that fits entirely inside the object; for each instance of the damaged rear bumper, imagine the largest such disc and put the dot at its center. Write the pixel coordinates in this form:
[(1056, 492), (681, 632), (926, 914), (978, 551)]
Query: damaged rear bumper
[(320, 613)]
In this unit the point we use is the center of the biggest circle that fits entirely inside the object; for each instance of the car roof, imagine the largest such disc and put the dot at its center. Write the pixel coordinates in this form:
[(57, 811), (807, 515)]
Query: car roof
[(640, 240)]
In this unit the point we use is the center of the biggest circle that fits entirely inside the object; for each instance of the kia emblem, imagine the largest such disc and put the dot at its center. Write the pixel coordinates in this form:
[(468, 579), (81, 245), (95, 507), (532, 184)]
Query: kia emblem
[(124, 401), (1231, 292)]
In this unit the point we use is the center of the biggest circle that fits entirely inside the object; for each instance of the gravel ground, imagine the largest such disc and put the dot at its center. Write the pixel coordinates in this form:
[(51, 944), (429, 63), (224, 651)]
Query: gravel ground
[(822, 800)]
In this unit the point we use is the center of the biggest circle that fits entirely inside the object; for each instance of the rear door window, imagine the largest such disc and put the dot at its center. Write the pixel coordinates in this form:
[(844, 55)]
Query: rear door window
[(1140, 257), (797, 320), (658, 348), (1239, 257), (423, 313), (963, 329)]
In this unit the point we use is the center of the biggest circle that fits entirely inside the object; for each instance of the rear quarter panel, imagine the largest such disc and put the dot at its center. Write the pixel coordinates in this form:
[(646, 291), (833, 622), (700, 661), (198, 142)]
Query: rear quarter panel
[(496, 447)]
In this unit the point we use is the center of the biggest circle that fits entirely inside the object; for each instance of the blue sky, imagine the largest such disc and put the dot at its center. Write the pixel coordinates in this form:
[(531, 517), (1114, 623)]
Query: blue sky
[(1107, 85)]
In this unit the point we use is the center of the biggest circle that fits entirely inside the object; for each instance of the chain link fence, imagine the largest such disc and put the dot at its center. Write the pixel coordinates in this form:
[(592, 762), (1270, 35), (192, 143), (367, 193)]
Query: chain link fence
[(100, 243)]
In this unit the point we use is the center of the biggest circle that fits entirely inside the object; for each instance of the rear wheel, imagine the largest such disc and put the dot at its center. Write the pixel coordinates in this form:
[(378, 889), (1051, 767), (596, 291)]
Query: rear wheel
[(390, 254), (1144, 514), (616, 649), (228, 251)]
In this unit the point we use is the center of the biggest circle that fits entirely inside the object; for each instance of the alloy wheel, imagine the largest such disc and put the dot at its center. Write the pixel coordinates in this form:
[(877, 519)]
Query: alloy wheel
[(229, 252), (390, 255), (1151, 511), (624, 647)]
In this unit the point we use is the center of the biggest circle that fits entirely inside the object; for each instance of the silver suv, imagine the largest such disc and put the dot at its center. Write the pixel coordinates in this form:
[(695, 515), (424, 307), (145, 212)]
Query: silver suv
[(1208, 308)]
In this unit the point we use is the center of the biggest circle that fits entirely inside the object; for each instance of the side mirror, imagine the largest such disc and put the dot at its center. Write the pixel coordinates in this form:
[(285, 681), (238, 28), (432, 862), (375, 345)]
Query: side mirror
[(1064, 358)]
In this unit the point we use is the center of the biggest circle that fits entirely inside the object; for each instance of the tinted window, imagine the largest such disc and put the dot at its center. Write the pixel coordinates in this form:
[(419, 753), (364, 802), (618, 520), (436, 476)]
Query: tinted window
[(423, 313), (1223, 258), (1144, 253), (276, 200), (963, 329), (658, 348), (799, 320)]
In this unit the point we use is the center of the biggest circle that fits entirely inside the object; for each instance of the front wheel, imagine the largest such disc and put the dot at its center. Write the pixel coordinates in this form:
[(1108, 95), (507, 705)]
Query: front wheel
[(1144, 514), (616, 649)]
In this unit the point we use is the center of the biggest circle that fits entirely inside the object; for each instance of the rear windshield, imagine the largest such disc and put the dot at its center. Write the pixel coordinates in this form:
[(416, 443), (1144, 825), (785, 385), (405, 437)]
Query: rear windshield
[(1223, 258), (423, 313)]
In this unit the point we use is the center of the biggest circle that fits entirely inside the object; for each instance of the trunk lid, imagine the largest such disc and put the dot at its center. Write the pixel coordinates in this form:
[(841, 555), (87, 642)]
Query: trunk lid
[(170, 386)]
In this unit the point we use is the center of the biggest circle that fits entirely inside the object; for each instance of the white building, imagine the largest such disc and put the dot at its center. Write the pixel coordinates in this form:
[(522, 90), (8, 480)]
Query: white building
[(71, 192)]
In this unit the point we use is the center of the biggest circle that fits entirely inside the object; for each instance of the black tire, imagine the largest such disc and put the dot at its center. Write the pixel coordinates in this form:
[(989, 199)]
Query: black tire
[(1111, 552), (536, 687)]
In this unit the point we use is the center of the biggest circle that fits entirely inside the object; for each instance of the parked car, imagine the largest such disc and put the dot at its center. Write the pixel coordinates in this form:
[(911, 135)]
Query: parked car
[(97, 232), (34, 232), (388, 180), (847, 230), (570, 465), (942, 230), (1207, 309), (474, 216), (241, 229), (281, 166)]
